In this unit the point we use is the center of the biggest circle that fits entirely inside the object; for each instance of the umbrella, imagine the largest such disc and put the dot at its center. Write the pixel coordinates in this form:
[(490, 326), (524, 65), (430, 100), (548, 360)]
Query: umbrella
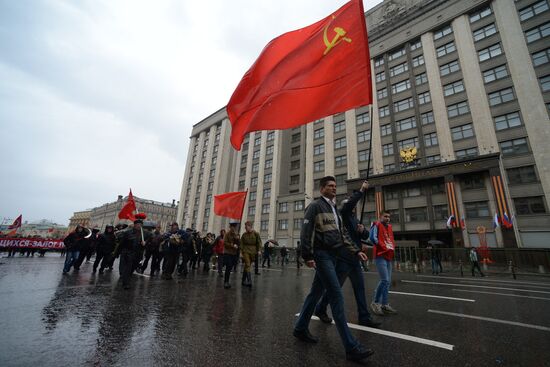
[(435, 242)]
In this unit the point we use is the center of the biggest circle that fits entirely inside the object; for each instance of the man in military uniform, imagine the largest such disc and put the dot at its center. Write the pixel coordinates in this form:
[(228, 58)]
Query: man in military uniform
[(131, 243)]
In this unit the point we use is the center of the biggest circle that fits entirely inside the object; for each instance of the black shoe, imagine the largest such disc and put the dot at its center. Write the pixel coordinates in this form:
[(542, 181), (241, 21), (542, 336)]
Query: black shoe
[(258, 273), (126, 286), (227, 285), (370, 323), (305, 336), (359, 353), (93, 271), (100, 271), (323, 317)]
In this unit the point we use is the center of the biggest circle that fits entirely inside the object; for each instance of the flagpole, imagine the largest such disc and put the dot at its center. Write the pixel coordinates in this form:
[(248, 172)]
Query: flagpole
[(242, 210), (368, 164)]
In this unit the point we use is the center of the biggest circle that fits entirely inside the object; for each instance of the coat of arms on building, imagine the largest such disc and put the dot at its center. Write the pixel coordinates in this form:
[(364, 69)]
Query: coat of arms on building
[(408, 154)]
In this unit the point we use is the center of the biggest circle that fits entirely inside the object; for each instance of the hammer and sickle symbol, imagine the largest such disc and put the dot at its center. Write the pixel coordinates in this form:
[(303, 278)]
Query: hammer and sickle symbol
[(338, 37)]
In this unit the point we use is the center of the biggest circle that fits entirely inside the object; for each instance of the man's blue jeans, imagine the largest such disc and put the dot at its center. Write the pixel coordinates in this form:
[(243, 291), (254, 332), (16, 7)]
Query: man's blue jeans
[(326, 278), (384, 270), (71, 257)]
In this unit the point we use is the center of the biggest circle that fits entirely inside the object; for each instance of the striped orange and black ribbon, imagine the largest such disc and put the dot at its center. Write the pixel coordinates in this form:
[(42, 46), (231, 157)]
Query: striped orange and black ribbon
[(498, 188), (379, 202), (451, 199)]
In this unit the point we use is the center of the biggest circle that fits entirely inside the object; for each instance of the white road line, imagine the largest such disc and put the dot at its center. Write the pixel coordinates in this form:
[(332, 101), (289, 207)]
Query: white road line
[(433, 296), (475, 286), (538, 327), (500, 284), (485, 280), (392, 334), (143, 275), (502, 294)]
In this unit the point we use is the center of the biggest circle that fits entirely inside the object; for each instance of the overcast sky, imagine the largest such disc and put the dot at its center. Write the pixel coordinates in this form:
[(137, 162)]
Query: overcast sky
[(100, 96)]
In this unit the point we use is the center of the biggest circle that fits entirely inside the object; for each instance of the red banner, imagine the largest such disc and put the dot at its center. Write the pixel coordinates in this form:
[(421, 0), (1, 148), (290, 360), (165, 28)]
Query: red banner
[(32, 243)]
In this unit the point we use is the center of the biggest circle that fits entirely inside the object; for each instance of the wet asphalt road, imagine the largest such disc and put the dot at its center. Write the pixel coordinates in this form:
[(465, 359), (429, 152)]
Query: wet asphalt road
[(48, 319)]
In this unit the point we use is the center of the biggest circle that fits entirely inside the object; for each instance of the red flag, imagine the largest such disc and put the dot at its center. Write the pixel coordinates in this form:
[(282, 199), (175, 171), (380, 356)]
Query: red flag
[(305, 75), (230, 204), (17, 222), (127, 211), (11, 233)]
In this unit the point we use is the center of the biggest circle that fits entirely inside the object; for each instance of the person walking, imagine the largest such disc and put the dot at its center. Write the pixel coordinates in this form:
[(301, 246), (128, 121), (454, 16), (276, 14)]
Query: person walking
[(475, 262), (284, 255), (152, 251), (268, 248), (207, 250), (218, 251), (131, 242), (72, 245), (172, 243), (105, 247), (250, 247), (323, 237), (381, 235), (231, 243)]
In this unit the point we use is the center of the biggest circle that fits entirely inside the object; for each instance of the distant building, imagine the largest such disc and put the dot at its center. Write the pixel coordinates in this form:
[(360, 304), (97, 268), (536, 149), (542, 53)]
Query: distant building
[(43, 228), (82, 218)]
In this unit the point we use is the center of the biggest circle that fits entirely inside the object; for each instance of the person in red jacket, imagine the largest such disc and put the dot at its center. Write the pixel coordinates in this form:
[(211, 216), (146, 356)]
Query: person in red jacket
[(218, 250), (381, 235)]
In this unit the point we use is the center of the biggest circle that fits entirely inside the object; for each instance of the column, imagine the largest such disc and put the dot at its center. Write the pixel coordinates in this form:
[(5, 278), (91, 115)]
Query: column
[(206, 178), (308, 174), (221, 180), (261, 173), (329, 145), (185, 183), (278, 147), (376, 153), (351, 146), (195, 181)]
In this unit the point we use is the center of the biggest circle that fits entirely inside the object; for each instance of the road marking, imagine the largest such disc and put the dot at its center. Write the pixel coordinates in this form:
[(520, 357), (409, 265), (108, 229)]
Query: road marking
[(485, 280), (392, 334), (143, 275), (517, 285), (475, 286), (433, 296), (538, 327), (502, 294)]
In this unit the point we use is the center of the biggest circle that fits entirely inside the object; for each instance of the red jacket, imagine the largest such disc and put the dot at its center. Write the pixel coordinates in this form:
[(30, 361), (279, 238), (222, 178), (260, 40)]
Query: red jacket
[(218, 246), (384, 243)]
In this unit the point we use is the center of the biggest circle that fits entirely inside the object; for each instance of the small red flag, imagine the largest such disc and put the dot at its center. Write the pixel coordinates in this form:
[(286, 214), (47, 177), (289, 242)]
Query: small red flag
[(230, 204), (305, 75), (17, 222), (127, 211)]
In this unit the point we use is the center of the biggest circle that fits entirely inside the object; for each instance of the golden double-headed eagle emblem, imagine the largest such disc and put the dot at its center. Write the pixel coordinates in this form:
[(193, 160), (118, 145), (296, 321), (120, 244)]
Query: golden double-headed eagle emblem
[(338, 37), (408, 154)]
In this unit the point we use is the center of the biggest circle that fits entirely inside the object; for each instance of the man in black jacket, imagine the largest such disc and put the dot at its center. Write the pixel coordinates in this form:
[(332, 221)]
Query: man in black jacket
[(105, 247), (131, 243), (72, 245)]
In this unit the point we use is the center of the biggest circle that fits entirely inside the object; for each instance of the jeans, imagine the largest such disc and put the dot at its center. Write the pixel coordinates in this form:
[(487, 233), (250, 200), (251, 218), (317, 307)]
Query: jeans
[(354, 271), (72, 256), (266, 257), (230, 262), (384, 270), (326, 278)]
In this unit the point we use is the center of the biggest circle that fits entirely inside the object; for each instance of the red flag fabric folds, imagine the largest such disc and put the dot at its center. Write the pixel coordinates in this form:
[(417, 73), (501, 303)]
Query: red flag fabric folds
[(230, 204), (305, 75), (127, 211), (17, 222)]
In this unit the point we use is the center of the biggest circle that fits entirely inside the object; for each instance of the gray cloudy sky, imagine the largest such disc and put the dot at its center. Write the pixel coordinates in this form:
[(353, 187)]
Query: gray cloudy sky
[(100, 96)]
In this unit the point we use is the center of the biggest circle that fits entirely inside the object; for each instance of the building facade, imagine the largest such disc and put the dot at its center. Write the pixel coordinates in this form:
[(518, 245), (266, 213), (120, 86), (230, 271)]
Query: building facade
[(79, 218), (458, 126)]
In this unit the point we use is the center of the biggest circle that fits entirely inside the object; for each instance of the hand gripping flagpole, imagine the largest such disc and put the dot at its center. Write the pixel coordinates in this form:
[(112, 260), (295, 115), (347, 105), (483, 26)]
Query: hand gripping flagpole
[(368, 164)]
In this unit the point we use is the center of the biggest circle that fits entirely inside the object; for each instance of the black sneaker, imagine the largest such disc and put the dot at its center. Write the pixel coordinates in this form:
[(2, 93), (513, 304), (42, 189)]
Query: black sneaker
[(370, 323), (359, 353), (323, 317), (227, 285), (305, 336)]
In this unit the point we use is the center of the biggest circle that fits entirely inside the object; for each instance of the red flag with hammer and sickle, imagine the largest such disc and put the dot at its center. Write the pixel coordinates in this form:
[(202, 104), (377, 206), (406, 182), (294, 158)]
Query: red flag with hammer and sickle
[(127, 211), (305, 75), (230, 204)]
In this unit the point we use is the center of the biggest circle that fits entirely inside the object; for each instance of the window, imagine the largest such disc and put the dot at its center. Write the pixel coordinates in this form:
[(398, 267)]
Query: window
[(340, 143), (485, 32), (296, 137), (533, 9), (256, 154), (241, 186), (242, 171), (478, 209), (462, 132), (295, 164), (363, 118), (472, 182), (416, 45), (268, 178), (427, 118), (443, 32), (319, 166), (210, 185), (384, 111), (501, 96), (515, 146), (379, 61), (433, 159), (489, 52), (430, 139), (494, 74), (265, 209), (252, 196), (295, 151), (319, 149), (299, 205), (424, 98), (485, 12), (446, 49), (401, 86), (440, 212), (245, 147), (268, 163), (339, 126), (253, 182), (340, 180), (269, 150), (319, 133), (420, 79), (391, 194), (416, 214), (380, 77), (257, 141), (399, 69), (266, 194), (382, 93), (387, 149), (363, 155), (340, 161), (264, 225), (385, 129), (542, 57), (507, 121), (252, 210), (283, 207), (529, 205), (244, 158), (417, 61), (457, 109), (453, 88), (363, 136), (403, 104), (449, 68), (271, 136), (255, 167), (405, 124), (466, 153), (408, 143), (389, 167), (295, 180), (522, 175), (396, 54), (412, 190), (298, 223), (545, 83)]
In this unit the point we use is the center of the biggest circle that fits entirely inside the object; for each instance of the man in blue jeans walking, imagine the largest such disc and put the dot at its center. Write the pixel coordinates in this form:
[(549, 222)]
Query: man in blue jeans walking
[(72, 245), (324, 238)]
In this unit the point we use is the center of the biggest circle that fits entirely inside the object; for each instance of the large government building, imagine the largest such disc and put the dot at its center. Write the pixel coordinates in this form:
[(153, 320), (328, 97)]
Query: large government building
[(460, 126)]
